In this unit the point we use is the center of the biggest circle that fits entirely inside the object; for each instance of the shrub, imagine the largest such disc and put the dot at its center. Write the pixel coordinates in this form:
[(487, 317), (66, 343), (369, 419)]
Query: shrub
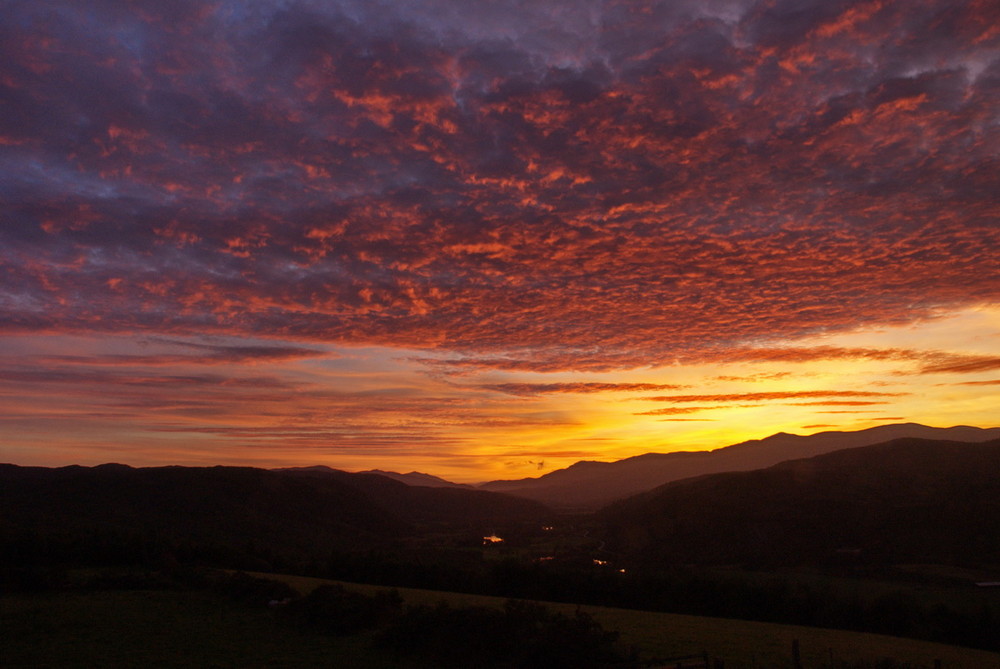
[(332, 609), (253, 590), (523, 634)]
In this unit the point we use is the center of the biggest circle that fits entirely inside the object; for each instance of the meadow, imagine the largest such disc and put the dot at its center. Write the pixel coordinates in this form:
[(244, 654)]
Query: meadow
[(199, 627), (740, 644)]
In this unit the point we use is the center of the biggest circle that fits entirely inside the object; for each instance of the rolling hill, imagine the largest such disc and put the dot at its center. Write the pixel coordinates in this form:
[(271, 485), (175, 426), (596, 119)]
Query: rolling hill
[(904, 501), (590, 485), (434, 504), (115, 512)]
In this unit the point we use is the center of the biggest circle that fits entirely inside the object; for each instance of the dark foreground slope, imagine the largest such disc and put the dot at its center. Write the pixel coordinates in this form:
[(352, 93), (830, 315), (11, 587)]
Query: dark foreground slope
[(908, 500), (115, 513), (590, 485)]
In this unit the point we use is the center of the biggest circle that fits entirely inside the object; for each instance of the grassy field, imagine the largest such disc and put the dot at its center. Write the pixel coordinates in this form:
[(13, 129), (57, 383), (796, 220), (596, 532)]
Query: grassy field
[(740, 644), (164, 628), (173, 628)]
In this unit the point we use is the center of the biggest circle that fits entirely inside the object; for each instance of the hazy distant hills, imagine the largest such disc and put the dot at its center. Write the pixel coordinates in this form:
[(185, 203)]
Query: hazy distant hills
[(590, 485), (905, 501), (418, 479), (304, 513)]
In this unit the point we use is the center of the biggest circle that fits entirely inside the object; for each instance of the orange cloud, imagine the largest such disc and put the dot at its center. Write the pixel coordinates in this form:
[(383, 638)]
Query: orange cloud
[(773, 395), (529, 389)]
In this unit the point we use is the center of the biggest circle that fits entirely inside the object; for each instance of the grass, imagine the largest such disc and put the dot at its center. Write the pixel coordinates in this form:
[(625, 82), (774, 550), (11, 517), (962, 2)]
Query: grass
[(163, 628), (740, 644), (172, 628)]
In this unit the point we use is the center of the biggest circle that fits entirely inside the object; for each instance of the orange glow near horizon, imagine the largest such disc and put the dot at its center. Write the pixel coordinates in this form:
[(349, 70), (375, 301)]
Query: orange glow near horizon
[(378, 408)]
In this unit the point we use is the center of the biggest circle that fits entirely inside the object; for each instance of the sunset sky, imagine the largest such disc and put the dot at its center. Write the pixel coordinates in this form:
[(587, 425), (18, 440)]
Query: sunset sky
[(489, 239)]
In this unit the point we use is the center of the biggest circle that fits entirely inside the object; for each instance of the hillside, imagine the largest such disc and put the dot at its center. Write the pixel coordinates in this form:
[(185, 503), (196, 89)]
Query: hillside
[(425, 504), (115, 513), (908, 500), (589, 485)]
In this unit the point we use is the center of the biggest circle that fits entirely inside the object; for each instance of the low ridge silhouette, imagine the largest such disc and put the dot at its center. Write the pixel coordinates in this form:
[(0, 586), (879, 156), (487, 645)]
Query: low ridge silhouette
[(589, 485)]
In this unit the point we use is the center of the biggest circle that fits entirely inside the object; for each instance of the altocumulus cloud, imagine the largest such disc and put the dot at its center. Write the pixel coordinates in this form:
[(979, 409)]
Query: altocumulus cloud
[(559, 185)]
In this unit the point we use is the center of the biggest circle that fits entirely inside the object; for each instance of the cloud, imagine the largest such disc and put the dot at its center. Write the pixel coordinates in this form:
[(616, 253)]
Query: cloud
[(557, 186), (967, 364), (793, 354), (770, 395), (835, 403), (671, 411), (755, 378), (734, 400), (203, 354), (531, 389), (87, 377)]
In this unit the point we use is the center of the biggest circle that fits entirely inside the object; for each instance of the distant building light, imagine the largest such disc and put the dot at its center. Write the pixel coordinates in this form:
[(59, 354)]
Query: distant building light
[(492, 539), (621, 571), (547, 528), (600, 562)]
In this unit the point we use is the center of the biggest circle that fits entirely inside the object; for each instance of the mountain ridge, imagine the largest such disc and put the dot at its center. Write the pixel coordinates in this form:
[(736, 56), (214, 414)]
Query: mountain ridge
[(419, 479), (589, 485), (908, 500), (295, 513)]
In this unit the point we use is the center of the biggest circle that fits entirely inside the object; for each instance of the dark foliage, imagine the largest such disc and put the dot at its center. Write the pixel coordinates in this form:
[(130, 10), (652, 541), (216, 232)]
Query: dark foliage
[(252, 590), (884, 663), (697, 591), (523, 634), (335, 610)]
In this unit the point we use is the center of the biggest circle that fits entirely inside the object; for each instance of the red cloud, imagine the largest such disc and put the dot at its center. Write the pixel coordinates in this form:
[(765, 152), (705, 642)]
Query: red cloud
[(529, 389), (612, 196)]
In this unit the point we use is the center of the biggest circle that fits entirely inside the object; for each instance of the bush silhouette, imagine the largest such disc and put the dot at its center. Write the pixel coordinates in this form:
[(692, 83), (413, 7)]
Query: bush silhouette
[(523, 634), (335, 610)]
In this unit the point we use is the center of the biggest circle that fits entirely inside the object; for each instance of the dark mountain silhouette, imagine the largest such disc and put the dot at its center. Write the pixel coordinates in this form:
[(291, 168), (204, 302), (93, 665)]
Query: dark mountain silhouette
[(418, 479), (412, 478), (303, 514), (211, 507), (905, 501), (589, 485), (430, 504)]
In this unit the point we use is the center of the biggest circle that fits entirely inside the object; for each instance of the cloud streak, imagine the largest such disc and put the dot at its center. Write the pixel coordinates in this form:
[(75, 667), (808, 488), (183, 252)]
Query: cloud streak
[(769, 395), (533, 389)]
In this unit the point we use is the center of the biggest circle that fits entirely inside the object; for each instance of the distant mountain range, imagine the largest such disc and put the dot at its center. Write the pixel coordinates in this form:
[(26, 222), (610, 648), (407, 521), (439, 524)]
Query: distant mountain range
[(909, 501), (419, 479), (814, 499), (589, 485)]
